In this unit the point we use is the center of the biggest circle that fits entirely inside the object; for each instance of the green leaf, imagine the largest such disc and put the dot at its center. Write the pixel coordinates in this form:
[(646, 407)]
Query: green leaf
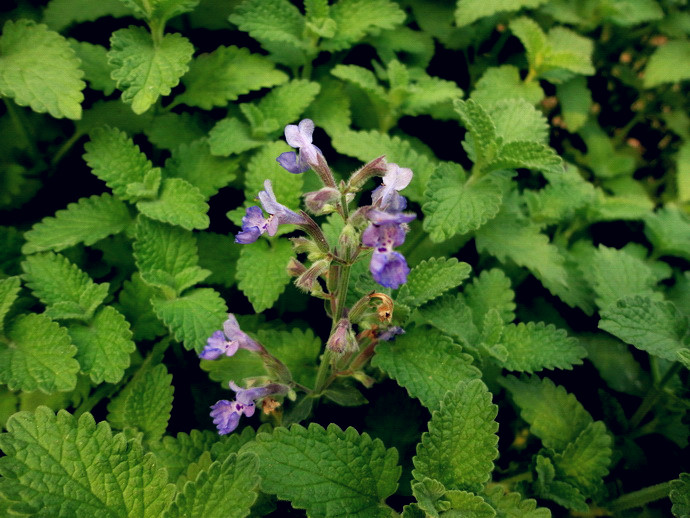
[(145, 403), (285, 103), (39, 356), (218, 253), (115, 159), (533, 347), (270, 20), (456, 206), (86, 221), (193, 317), (94, 62), (491, 290), (481, 129), (576, 101), (60, 14), (175, 454), (526, 155), (45, 451), (662, 66), (451, 315), (103, 345), (171, 130), (225, 489), (512, 505), (62, 286), (680, 496), (468, 11), (503, 83), (668, 229), (428, 93), (179, 203), (363, 78), (161, 10), (602, 157), (135, 304), (167, 256), (38, 68), (517, 120), (9, 289), (354, 19), (460, 446), (352, 473), (195, 164), (263, 166), (217, 78), (426, 363), (560, 492), (231, 136), (431, 278), (585, 461), (616, 364), (331, 108), (651, 325), (554, 416), (261, 271)]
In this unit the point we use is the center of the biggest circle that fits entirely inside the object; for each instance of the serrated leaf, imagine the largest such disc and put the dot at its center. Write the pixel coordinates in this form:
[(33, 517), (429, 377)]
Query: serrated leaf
[(218, 253), (86, 221), (429, 92), (225, 489), (354, 19), (103, 345), (668, 229), (145, 403), (460, 446), (651, 325), (426, 363), (9, 289), (285, 103), (468, 11), (503, 83), (532, 347), (363, 78), (576, 101), (179, 203), (270, 20), (555, 416), (177, 453), (195, 164), (231, 136), (38, 68), (60, 14), (680, 496), (517, 120), (491, 290), (38, 356), (511, 505), (54, 280), (193, 317), (430, 279), (481, 129), (45, 451), (526, 155), (662, 66), (261, 271), (94, 63), (560, 492), (585, 461), (263, 166), (352, 473), (456, 206), (331, 108), (451, 315), (160, 10), (217, 78), (615, 363), (115, 159), (143, 69), (135, 304)]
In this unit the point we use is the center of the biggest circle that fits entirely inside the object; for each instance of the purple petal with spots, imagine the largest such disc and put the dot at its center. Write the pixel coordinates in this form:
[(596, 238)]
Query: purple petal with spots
[(389, 269)]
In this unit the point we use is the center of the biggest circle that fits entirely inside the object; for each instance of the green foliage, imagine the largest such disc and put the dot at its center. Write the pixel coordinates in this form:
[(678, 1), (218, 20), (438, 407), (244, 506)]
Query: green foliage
[(353, 473), (9, 288), (534, 347), (430, 279), (661, 67), (680, 496), (44, 450), (468, 11), (160, 10), (261, 272)]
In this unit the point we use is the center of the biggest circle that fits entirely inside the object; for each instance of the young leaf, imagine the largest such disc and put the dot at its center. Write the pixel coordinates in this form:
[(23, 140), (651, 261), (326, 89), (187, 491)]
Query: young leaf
[(651, 325), (144, 69), (45, 451), (231, 136), (469, 11), (354, 19), (451, 315), (103, 345), (560, 492), (224, 489), (364, 79), (193, 317), (116, 160), (38, 68), (661, 67), (39, 356), (62, 286), (426, 363), (460, 446), (481, 129), (217, 78), (161, 10), (576, 101), (261, 272), (668, 229), (327, 471), (175, 454), (285, 103), (534, 347), (59, 14), (430, 279), (491, 290), (86, 221), (275, 21), (504, 83), (512, 505), (178, 203), (9, 288), (94, 62), (555, 416), (135, 304), (145, 403)]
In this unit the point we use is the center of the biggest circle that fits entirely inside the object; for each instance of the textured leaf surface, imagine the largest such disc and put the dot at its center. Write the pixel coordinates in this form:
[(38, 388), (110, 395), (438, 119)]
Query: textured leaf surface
[(662, 66), (9, 288), (38, 68), (285, 103), (193, 317), (226, 489), (351, 473), (58, 465), (511, 505), (261, 272), (39, 356), (532, 347), (103, 345), (680, 496), (86, 221), (481, 129), (501, 83), (231, 136), (468, 11), (179, 203), (145, 70), (651, 325), (177, 453), (460, 446), (526, 155), (145, 403), (94, 63), (263, 166), (431, 278), (59, 14), (491, 290), (217, 78), (354, 19), (426, 363), (273, 20), (669, 231), (161, 10), (135, 304), (451, 315), (555, 416)]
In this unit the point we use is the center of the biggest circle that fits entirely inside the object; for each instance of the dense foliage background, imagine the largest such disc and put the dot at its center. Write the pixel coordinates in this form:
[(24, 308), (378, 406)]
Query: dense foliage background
[(550, 143)]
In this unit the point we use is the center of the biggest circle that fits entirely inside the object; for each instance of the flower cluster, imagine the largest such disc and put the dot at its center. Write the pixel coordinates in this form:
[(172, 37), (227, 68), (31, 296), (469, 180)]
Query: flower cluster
[(228, 341), (226, 414)]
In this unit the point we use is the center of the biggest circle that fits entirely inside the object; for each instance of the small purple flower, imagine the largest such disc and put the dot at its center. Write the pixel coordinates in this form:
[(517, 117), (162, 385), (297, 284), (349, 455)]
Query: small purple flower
[(300, 137), (254, 224), (387, 230), (226, 414), (391, 333), (228, 341), (385, 196)]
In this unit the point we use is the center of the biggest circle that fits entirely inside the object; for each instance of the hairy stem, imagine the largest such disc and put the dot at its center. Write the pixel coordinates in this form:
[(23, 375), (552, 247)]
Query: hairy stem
[(640, 497), (653, 396)]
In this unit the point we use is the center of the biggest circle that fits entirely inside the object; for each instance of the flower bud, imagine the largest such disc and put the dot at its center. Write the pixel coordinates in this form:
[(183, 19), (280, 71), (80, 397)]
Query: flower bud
[(307, 281), (342, 340), (348, 243), (322, 201), (295, 268), (377, 167)]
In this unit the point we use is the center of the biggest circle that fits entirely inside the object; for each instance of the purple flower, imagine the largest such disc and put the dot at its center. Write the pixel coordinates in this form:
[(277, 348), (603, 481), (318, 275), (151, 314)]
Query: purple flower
[(385, 196), (228, 341), (391, 333), (254, 224), (300, 137), (387, 230), (226, 414)]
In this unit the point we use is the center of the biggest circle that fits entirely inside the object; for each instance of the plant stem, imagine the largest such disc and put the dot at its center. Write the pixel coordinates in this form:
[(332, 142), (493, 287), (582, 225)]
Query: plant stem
[(639, 498), (104, 391), (21, 129), (653, 396), (66, 146)]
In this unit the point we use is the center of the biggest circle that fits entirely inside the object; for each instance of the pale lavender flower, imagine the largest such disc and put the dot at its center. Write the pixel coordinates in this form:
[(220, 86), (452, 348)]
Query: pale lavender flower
[(300, 137), (226, 414), (385, 196), (391, 333), (387, 230), (228, 341)]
